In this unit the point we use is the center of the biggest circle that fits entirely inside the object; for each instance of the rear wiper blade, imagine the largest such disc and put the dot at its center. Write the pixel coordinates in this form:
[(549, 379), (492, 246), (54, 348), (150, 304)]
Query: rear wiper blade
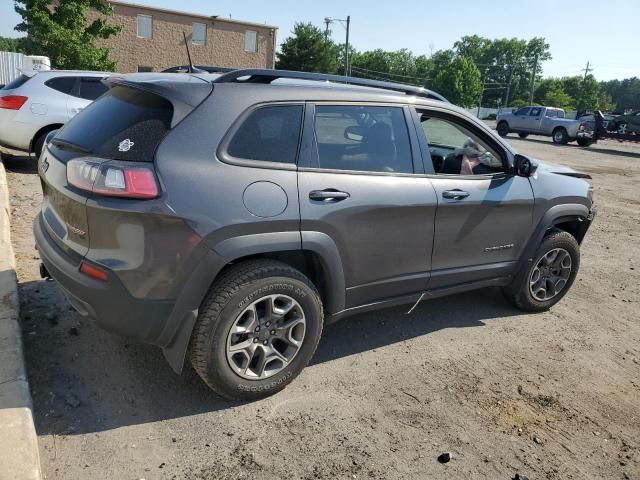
[(67, 145)]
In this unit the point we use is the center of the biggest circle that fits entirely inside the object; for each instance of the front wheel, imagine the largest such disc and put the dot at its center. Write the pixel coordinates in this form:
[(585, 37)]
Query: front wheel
[(549, 277), (257, 329), (503, 129), (560, 136), (584, 142), (523, 135)]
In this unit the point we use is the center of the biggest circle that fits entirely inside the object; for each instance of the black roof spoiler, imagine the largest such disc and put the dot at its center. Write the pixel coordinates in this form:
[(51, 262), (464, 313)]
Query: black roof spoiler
[(267, 76)]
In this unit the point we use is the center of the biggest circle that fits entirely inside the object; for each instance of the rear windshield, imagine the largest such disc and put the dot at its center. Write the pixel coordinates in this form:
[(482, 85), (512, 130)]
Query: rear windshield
[(124, 124), (18, 82)]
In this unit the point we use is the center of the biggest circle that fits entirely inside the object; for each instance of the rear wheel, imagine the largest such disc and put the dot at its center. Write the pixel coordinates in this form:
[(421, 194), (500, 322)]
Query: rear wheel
[(584, 142), (560, 136), (503, 129), (258, 328), (523, 135), (549, 277)]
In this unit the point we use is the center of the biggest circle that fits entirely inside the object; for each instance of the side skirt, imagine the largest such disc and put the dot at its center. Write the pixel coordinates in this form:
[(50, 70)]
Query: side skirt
[(416, 297)]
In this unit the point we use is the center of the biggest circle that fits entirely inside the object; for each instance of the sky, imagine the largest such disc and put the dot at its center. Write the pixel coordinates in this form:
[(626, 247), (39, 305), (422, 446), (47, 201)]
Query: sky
[(603, 32)]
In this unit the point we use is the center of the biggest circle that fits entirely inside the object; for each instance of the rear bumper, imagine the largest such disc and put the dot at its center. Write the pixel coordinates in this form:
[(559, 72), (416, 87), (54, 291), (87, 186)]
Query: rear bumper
[(108, 303)]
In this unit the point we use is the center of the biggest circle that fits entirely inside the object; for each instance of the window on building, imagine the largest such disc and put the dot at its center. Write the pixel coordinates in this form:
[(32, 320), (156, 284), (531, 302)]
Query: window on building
[(250, 41), (269, 134), (145, 68), (199, 33), (145, 26), (367, 139)]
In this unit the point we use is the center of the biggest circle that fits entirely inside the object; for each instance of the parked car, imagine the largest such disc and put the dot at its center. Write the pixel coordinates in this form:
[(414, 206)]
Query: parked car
[(38, 102), (228, 219), (538, 121), (628, 123)]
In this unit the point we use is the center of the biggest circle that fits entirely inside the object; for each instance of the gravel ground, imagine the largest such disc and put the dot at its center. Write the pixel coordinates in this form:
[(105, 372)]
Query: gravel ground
[(553, 395)]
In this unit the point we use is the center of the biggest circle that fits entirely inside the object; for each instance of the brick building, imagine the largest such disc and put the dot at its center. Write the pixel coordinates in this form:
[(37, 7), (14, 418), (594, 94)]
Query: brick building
[(151, 39)]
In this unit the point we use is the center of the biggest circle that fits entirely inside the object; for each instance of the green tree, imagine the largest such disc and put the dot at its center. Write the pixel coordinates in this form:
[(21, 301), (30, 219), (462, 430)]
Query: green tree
[(556, 97), (459, 82), (59, 29), (308, 51), (12, 44)]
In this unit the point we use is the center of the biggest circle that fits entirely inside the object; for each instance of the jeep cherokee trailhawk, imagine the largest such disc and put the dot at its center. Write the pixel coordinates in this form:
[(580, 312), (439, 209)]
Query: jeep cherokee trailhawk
[(228, 218)]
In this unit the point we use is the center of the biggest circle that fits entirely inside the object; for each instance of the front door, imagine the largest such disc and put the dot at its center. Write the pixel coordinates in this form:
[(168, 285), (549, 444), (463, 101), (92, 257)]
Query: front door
[(362, 187), (484, 215)]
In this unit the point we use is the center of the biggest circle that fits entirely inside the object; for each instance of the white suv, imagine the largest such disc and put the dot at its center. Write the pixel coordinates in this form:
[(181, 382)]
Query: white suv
[(37, 102)]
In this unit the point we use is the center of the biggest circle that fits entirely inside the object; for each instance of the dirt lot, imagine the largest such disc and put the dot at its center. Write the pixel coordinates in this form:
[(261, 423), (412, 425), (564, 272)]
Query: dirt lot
[(554, 395)]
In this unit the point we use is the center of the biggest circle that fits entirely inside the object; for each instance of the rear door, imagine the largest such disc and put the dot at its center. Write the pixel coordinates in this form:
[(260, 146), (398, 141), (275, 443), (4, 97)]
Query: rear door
[(535, 119), (484, 215), (361, 183)]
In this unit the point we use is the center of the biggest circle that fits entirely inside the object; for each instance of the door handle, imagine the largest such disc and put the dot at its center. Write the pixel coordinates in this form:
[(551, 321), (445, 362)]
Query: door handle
[(328, 195), (455, 194)]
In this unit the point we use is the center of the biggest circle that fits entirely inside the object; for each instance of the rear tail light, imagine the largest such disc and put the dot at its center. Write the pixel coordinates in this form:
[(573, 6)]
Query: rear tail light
[(12, 102), (113, 178)]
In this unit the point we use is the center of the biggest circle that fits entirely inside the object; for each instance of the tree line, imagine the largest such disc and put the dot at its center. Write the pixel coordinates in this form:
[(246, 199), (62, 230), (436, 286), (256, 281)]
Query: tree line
[(476, 70)]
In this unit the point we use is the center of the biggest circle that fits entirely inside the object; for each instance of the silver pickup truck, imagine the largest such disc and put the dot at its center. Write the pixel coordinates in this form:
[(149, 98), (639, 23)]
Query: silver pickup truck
[(547, 121)]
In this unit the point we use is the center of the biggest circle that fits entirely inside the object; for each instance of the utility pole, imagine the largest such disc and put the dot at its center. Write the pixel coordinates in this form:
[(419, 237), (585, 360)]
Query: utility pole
[(581, 102), (533, 80), (506, 100), (346, 50), (484, 74), (346, 24)]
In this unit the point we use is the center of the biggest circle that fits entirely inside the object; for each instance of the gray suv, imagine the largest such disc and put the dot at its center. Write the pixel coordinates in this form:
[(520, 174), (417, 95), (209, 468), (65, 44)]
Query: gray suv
[(229, 218)]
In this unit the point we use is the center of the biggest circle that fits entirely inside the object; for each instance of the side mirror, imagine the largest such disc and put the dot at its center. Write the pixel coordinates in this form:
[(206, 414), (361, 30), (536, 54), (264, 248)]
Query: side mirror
[(354, 133), (523, 166)]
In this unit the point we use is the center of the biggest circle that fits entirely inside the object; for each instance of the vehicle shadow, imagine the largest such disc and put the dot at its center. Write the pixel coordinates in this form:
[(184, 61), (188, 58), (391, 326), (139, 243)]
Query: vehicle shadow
[(591, 148), (20, 164), (85, 380)]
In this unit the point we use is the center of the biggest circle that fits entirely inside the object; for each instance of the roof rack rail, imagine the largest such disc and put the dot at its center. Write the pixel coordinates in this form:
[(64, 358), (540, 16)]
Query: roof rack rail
[(257, 75)]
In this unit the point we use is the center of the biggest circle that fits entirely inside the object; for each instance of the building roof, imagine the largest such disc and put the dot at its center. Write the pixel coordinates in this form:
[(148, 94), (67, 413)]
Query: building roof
[(191, 14)]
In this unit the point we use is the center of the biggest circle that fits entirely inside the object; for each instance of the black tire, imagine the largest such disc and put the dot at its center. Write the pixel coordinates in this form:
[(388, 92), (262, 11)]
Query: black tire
[(560, 136), (519, 293), (38, 145), (584, 142), (503, 129), (523, 135), (229, 296)]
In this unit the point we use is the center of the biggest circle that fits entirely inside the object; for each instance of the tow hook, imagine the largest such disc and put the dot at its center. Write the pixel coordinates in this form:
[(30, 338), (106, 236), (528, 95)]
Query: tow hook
[(44, 273)]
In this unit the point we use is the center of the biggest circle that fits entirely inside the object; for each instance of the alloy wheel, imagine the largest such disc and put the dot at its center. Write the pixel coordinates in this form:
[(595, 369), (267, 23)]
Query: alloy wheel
[(266, 337), (550, 275)]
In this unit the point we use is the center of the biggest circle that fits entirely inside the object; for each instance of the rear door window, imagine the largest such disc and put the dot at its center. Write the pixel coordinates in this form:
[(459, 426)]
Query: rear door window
[(65, 85), (91, 88), (124, 124), (363, 138), (268, 134)]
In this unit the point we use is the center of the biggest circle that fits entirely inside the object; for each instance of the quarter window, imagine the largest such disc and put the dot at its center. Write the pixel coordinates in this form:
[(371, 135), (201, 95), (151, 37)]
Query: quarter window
[(363, 138), (199, 33), (250, 41), (145, 26), (456, 150), (91, 88), (269, 134), (62, 84)]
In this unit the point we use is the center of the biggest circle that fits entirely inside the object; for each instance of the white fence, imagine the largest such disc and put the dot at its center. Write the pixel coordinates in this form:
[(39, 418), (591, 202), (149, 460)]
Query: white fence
[(10, 65)]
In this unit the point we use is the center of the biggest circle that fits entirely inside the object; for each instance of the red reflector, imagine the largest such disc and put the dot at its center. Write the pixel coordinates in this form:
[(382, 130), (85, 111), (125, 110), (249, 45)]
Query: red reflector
[(12, 102), (94, 272), (140, 183)]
